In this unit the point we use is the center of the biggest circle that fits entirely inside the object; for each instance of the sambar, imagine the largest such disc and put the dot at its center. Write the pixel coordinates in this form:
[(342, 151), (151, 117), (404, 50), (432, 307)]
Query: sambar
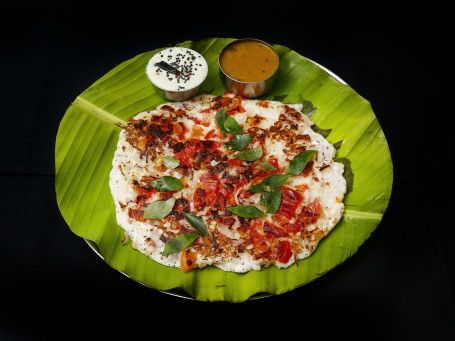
[(249, 61)]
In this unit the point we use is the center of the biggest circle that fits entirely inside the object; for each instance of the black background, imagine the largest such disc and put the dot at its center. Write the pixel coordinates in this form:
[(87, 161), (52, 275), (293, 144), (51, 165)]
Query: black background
[(398, 286)]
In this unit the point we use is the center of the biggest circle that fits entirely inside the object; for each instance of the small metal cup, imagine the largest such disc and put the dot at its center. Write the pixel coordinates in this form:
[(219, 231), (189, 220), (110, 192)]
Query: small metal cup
[(248, 89), (177, 95)]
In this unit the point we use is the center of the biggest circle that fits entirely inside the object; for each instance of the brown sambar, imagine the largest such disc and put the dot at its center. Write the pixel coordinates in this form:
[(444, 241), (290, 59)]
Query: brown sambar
[(249, 61)]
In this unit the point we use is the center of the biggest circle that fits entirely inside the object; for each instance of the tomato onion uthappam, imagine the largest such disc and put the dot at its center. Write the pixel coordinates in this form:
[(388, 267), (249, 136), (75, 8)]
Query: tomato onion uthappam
[(225, 181)]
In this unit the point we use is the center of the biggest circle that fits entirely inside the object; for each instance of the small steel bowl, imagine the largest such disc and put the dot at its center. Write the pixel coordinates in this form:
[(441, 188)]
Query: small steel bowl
[(170, 94), (177, 96), (248, 89)]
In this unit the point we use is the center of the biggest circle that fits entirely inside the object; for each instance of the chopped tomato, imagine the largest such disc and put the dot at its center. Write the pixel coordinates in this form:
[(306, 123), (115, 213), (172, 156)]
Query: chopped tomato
[(228, 221), (167, 108), (180, 130), (199, 198), (259, 243), (256, 237), (140, 199), (207, 192), (308, 168), (256, 224), (191, 147), (210, 134), (143, 192), (211, 189), (272, 231), (285, 252), (136, 214), (234, 162), (290, 199), (195, 120), (206, 111), (314, 208), (231, 104), (274, 162), (196, 152), (181, 205), (220, 202), (187, 260), (309, 215), (141, 143), (197, 132), (235, 104), (228, 185), (227, 189), (295, 227)]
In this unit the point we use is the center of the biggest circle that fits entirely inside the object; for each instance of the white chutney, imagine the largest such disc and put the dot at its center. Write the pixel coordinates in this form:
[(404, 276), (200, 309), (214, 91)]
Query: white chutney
[(191, 66)]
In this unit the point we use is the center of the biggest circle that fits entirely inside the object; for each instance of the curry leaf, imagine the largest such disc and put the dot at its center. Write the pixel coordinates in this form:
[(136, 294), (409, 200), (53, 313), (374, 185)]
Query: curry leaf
[(307, 107), (338, 144), (323, 132), (227, 124), (270, 183), (197, 223), (279, 98), (166, 184), (273, 201), (348, 173), (179, 243), (239, 142), (171, 162), (246, 211), (264, 198), (159, 209), (249, 154), (231, 125), (267, 166), (299, 162), (220, 117)]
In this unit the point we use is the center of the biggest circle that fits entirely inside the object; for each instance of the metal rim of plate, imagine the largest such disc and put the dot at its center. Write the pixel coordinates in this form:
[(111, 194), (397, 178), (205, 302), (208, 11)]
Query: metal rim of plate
[(177, 292)]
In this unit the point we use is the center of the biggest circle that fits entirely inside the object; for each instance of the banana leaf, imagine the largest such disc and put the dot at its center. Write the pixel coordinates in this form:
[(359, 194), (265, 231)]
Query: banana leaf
[(87, 138)]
